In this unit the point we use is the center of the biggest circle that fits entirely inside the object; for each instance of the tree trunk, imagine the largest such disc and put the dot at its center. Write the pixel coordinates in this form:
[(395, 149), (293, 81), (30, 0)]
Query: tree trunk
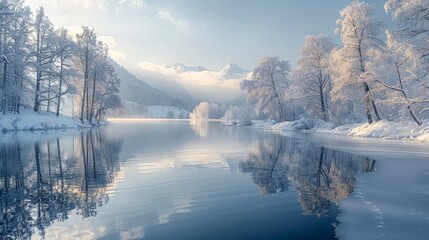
[(366, 103), (278, 100), (322, 103), (82, 105), (93, 97), (416, 119), (38, 72), (413, 115), (60, 89), (377, 115), (87, 99), (3, 101), (48, 108)]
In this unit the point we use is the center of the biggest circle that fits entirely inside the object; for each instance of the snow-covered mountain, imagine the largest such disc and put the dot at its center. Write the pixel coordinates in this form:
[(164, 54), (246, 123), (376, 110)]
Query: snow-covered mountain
[(138, 96), (198, 81), (179, 67), (233, 71), (230, 71)]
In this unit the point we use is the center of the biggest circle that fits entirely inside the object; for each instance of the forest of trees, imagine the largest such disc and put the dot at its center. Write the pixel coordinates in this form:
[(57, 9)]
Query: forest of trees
[(375, 73), (43, 66), (363, 78)]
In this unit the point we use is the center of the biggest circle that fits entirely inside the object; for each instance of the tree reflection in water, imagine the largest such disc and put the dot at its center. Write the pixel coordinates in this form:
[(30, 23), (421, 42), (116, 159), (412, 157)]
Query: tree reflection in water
[(322, 176), (49, 180)]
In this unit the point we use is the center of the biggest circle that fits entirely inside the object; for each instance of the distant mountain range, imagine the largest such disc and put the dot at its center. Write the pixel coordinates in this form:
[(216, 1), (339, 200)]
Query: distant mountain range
[(137, 95), (140, 93), (179, 67), (230, 71)]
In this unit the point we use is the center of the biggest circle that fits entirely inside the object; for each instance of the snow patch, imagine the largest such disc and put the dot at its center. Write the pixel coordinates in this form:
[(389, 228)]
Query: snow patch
[(381, 129), (32, 121)]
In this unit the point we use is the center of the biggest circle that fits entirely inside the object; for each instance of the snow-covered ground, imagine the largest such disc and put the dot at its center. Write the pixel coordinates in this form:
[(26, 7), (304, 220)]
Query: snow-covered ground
[(31, 121), (381, 129), (166, 112)]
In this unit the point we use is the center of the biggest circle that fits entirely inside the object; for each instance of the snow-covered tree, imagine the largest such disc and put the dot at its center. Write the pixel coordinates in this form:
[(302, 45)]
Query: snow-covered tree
[(360, 31), (412, 27), (44, 58), (38, 64), (205, 111), (267, 88), (313, 75), (64, 68), (105, 93), (238, 115), (85, 59), (15, 30), (389, 66)]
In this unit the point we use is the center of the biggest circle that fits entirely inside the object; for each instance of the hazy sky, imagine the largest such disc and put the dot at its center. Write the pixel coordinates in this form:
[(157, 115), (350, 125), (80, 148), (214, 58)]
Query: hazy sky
[(210, 33)]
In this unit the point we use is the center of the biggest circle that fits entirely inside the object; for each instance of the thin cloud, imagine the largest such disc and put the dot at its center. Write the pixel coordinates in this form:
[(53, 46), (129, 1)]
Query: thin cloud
[(133, 3), (180, 24), (202, 84), (116, 54)]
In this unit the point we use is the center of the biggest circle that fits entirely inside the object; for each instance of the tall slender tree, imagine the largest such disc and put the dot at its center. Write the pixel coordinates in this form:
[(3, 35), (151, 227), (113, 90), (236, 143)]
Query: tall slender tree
[(43, 54), (64, 69), (86, 56), (268, 87), (312, 72), (360, 31)]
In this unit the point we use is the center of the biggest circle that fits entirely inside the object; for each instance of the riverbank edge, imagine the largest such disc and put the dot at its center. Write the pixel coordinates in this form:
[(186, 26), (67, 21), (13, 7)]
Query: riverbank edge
[(29, 121), (381, 129)]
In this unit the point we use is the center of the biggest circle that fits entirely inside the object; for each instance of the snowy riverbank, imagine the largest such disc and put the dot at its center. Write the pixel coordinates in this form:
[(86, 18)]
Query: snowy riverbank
[(28, 120), (382, 129)]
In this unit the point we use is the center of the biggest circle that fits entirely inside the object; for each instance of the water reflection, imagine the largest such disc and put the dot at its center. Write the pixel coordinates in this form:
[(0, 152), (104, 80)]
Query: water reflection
[(49, 180), (322, 176)]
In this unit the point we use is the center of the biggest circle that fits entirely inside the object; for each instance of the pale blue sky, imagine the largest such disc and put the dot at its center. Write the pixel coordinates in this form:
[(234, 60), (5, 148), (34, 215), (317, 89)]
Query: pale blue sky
[(210, 33)]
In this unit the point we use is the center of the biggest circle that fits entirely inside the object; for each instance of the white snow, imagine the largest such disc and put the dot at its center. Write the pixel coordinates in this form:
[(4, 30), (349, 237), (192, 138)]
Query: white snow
[(233, 71), (382, 129), (179, 67), (158, 111), (31, 121)]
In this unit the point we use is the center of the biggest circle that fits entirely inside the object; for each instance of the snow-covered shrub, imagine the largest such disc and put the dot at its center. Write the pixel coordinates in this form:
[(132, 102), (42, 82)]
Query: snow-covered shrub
[(238, 115), (205, 111)]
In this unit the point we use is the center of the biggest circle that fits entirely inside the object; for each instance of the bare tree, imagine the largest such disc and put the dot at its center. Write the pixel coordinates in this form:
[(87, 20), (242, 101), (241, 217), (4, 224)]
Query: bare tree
[(359, 30), (313, 75), (268, 87), (64, 69), (86, 42), (43, 53), (390, 67)]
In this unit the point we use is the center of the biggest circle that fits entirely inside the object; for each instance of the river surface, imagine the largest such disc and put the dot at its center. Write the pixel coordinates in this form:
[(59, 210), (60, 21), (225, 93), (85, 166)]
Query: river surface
[(173, 180)]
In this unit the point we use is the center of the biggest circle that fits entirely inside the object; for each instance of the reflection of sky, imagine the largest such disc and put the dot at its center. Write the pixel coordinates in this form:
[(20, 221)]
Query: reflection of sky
[(181, 206), (148, 191), (195, 157)]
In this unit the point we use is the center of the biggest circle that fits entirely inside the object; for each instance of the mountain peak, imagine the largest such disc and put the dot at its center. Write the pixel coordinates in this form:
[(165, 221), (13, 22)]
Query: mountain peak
[(179, 67), (232, 70)]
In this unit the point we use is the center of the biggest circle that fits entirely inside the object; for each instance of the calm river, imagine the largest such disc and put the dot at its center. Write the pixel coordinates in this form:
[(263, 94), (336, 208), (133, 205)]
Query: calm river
[(173, 180)]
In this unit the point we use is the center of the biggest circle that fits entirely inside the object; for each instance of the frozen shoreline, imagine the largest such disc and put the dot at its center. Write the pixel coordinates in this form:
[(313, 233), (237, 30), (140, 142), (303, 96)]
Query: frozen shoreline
[(382, 129), (30, 121)]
